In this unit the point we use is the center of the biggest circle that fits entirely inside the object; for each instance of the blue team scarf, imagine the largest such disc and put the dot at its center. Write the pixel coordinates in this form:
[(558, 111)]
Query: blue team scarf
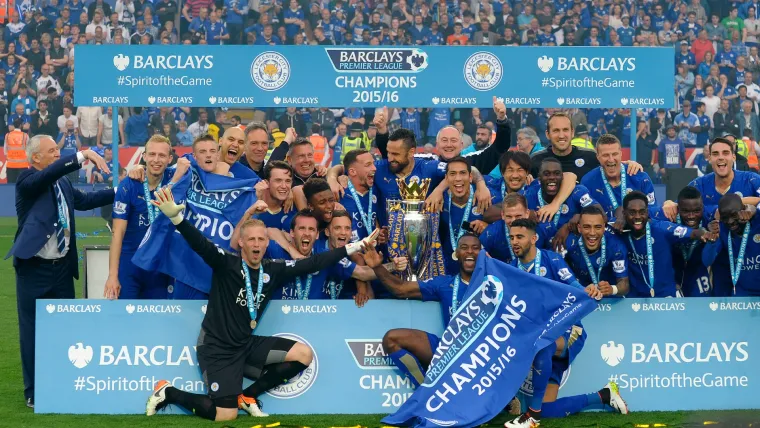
[(214, 204), (514, 315)]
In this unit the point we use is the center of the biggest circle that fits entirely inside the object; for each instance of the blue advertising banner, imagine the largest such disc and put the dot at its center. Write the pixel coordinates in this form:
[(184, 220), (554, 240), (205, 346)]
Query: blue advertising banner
[(666, 354), (426, 76)]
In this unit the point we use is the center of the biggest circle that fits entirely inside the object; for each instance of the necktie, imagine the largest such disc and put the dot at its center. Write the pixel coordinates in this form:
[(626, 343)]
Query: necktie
[(60, 229)]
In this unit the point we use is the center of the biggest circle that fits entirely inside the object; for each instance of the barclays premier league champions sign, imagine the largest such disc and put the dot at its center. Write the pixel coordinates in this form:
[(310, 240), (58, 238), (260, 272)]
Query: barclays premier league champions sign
[(426, 76)]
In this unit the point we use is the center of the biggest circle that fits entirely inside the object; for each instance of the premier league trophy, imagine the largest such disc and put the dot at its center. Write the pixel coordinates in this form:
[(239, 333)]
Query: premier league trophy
[(413, 231)]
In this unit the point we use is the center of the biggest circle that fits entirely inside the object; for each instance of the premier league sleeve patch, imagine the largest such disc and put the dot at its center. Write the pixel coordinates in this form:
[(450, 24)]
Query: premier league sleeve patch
[(564, 274), (618, 266), (586, 200), (680, 231), (119, 208), (650, 198)]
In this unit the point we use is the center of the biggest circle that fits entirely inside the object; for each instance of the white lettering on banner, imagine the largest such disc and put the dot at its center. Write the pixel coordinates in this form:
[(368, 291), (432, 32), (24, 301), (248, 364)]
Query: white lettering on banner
[(736, 306), (389, 82), (174, 100), (223, 229), (144, 383), (78, 308), (384, 382), (689, 352), (110, 100), (371, 56), (603, 307), (596, 64), (159, 309), (663, 307), (216, 200), (521, 100), (480, 356), (315, 309), (147, 356), (299, 100), (679, 380), (173, 62)]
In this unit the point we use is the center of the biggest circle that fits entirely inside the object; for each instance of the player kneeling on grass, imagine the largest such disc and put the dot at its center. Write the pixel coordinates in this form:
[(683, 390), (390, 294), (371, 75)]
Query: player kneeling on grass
[(226, 346)]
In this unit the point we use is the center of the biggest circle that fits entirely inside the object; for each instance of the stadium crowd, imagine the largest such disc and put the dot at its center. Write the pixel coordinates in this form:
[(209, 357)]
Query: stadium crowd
[(561, 204)]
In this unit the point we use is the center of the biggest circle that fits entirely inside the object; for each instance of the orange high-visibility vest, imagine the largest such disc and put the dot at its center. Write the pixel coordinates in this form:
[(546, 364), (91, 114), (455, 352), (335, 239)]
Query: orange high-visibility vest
[(318, 142), (15, 142), (752, 160), (6, 9)]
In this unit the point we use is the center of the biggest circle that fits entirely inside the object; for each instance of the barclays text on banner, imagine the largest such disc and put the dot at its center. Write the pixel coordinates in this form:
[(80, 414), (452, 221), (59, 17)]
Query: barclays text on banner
[(105, 356), (429, 76)]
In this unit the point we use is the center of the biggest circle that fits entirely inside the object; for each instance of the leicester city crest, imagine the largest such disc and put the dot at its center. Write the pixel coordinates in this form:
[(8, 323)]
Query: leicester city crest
[(483, 71), (270, 71)]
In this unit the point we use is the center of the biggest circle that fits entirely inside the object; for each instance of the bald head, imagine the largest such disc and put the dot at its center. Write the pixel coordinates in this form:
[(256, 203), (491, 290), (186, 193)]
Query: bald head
[(448, 142), (233, 144)]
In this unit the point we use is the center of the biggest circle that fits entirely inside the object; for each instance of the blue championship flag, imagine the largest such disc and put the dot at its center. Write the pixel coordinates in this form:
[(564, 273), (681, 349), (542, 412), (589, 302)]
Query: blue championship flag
[(214, 204), (487, 349)]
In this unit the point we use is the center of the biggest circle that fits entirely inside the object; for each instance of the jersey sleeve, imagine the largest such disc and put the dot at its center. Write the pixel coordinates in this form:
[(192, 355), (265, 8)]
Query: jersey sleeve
[(648, 189), (436, 170), (563, 271), (488, 237), (754, 181), (429, 289), (675, 233), (275, 251), (582, 196), (343, 269), (619, 259), (121, 202)]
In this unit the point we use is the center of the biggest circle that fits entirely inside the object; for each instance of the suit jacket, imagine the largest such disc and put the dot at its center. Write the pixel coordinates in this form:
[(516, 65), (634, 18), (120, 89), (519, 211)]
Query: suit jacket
[(477, 39), (37, 209)]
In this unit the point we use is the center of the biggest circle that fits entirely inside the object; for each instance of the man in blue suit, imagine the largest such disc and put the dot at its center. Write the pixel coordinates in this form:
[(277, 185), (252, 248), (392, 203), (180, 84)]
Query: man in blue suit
[(45, 247)]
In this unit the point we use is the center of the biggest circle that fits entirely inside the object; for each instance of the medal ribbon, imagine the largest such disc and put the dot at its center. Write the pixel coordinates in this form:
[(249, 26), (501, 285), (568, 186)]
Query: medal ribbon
[(736, 266), (602, 260), (541, 203), (454, 299), (152, 211), (465, 217), (536, 264), (623, 187), (252, 310), (335, 289), (366, 219), (303, 294), (650, 258)]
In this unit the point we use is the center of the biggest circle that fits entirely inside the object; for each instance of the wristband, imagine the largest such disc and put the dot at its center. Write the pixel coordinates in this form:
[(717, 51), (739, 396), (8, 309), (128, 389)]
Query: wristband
[(614, 290), (171, 183)]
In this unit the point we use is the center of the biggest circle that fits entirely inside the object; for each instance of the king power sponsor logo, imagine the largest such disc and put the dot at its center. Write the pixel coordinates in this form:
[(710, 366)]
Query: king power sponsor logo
[(614, 354)]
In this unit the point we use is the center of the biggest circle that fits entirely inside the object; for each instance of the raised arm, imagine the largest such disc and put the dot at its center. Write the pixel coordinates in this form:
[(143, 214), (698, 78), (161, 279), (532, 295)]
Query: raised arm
[(400, 288), (214, 256)]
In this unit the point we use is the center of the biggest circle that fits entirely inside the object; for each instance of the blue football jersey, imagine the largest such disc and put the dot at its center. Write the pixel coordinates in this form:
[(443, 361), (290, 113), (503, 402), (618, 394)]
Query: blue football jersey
[(453, 215), (615, 259), (579, 199), (552, 267), (495, 240), (386, 187), (129, 204), (664, 236), (370, 208), (277, 219), (441, 289), (595, 184), (748, 283)]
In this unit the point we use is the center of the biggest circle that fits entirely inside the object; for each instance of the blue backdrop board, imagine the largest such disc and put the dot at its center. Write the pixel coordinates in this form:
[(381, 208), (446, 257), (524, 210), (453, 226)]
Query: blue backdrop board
[(666, 354), (429, 76)]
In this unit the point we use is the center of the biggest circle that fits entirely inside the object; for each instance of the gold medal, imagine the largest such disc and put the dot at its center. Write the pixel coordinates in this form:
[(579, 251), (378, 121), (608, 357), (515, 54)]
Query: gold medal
[(651, 292), (454, 255), (253, 324)]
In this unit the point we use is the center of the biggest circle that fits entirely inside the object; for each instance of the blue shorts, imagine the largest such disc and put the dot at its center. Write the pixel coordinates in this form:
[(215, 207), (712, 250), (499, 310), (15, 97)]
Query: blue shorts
[(434, 341), (575, 338), (183, 291), (138, 283)]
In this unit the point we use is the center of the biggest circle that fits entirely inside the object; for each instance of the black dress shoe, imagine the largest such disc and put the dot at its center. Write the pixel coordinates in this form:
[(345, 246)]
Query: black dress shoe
[(30, 403)]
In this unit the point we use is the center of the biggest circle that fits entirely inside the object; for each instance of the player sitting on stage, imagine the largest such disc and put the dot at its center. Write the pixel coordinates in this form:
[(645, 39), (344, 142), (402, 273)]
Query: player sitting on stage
[(411, 350)]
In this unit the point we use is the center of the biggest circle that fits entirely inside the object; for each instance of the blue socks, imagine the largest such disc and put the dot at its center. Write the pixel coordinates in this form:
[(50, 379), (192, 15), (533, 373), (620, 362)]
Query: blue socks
[(571, 405), (542, 370), (409, 365)]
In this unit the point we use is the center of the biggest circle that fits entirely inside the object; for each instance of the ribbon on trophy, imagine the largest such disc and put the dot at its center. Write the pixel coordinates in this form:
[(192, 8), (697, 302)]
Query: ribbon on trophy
[(414, 232)]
